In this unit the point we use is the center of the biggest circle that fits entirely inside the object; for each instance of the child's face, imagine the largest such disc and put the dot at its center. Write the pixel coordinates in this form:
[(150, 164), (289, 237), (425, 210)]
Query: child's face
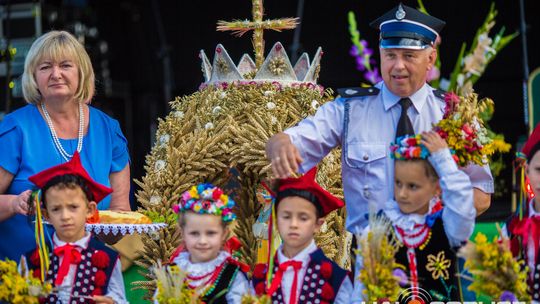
[(297, 223), (533, 172), (204, 235), (413, 189), (67, 210)]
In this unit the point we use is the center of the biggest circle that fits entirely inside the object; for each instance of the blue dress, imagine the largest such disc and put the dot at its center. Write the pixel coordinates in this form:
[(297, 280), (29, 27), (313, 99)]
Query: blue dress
[(28, 148)]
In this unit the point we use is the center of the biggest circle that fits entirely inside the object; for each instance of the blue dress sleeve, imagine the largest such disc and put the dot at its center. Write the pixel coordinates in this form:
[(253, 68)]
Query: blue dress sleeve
[(120, 153), (11, 143)]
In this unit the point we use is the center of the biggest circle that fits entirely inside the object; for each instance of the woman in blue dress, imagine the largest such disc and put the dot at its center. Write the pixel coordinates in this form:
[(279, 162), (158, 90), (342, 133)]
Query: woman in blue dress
[(58, 84)]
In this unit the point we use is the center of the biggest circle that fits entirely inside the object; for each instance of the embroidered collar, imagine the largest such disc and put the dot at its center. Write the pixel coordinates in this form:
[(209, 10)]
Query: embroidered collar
[(418, 98), (199, 269), (406, 221), (81, 243), (303, 256)]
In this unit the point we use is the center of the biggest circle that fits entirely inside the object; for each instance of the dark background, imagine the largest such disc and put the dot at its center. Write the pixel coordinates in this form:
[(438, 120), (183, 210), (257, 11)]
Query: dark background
[(132, 87)]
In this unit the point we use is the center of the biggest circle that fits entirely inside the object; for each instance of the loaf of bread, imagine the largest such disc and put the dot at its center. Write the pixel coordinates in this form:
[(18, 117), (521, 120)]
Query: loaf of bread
[(123, 217)]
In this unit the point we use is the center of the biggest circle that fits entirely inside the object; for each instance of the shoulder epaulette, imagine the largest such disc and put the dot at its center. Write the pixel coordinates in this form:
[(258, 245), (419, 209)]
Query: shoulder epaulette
[(439, 93), (357, 92)]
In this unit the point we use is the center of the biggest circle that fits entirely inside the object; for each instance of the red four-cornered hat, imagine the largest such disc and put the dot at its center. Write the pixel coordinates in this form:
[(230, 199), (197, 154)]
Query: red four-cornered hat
[(73, 167), (307, 182), (532, 141)]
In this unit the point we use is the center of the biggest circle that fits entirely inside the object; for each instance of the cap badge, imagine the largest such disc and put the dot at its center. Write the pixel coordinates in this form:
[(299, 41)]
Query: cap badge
[(400, 13)]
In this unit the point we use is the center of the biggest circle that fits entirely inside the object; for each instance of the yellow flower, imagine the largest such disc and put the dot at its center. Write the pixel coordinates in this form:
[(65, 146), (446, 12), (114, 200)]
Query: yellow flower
[(193, 192), (438, 266)]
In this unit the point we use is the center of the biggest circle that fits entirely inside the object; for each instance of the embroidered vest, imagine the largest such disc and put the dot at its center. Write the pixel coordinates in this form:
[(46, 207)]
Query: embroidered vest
[(218, 295), (321, 282), (225, 279), (436, 263), (87, 274)]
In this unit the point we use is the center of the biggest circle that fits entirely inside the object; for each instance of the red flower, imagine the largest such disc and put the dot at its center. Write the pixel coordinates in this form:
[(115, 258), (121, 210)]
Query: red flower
[(101, 278), (217, 194), (327, 292), (259, 271), (34, 258), (326, 270), (100, 259), (259, 289), (37, 273), (97, 292)]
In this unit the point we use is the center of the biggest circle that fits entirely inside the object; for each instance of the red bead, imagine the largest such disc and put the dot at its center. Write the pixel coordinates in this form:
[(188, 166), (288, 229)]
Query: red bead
[(327, 292)]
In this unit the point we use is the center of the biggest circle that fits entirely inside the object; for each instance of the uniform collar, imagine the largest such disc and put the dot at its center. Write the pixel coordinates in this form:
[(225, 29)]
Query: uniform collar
[(303, 256), (418, 98), (81, 243)]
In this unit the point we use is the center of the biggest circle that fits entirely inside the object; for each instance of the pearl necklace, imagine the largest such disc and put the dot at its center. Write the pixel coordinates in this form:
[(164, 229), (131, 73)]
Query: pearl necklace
[(56, 141)]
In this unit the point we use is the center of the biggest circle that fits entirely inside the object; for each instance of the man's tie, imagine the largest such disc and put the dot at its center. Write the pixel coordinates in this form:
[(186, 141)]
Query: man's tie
[(276, 281), (404, 126), (71, 256)]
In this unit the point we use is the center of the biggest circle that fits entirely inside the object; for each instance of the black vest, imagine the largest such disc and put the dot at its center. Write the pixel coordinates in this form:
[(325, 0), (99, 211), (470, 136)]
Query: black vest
[(314, 284), (435, 249), (84, 281)]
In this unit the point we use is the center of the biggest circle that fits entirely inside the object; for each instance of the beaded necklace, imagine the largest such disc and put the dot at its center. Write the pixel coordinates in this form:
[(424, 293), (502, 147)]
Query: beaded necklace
[(415, 239), (211, 283), (56, 141)]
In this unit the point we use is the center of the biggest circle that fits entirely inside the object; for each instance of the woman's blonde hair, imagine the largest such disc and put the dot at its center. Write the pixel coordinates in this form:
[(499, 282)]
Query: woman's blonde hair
[(58, 46)]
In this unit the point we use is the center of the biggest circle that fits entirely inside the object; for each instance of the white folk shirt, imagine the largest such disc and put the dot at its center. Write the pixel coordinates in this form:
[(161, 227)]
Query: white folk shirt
[(115, 290), (239, 287), (345, 290)]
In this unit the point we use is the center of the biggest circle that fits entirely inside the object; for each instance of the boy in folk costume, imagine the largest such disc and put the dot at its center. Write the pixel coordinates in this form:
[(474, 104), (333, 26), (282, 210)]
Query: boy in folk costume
[(81, 268), (301, 272), (523, 227)]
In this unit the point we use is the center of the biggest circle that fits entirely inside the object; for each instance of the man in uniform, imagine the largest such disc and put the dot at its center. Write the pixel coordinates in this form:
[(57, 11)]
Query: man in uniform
[(364, 121)]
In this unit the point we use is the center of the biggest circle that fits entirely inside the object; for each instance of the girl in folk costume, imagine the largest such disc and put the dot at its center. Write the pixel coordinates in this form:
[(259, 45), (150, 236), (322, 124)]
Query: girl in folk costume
[(204, 213), (429, 231), (523, 227), (81, 268), (301, 273)]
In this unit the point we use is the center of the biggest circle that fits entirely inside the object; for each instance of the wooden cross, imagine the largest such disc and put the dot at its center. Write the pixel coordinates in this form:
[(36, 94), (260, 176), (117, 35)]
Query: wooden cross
[(258, 25)]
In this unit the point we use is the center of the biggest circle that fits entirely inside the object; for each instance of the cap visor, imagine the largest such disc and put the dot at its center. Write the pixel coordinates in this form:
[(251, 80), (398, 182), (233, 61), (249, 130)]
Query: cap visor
[(403, 43)]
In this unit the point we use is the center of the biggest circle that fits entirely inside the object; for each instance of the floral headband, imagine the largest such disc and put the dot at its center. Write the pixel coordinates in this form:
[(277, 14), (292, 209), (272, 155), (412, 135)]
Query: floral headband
[(206, 199), (409, 147)]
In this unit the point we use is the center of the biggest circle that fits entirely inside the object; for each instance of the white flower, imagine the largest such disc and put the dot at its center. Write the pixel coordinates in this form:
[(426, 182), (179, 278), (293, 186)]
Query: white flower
[(216, 110), (268, 93), (164, 139), (209, 126), (270, 105), (222, 95), (460, 78), (155, 199), (314, 104), (179, 114), (154, 235), (160, 165), (273, 119)]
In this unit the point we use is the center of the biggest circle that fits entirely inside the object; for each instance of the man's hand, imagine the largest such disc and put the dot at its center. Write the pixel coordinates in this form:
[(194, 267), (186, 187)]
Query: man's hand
[(283, 155)]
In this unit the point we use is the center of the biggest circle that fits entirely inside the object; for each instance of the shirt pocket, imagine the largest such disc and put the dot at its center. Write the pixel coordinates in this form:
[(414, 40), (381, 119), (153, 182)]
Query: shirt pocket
[(369, 161)]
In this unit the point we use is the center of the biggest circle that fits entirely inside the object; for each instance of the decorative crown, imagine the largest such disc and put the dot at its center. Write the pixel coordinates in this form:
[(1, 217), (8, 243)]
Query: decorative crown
[(206, 199), (276, 67), (409, 147)]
